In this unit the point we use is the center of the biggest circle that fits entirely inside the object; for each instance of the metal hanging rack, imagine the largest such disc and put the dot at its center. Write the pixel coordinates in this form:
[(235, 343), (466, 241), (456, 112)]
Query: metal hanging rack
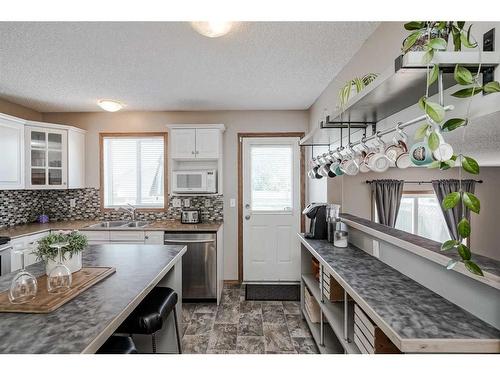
[(418, 182), (381, 133)]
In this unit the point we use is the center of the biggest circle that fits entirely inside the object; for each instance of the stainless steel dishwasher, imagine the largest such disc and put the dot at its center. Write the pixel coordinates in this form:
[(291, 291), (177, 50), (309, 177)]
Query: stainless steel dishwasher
[(199, 264)]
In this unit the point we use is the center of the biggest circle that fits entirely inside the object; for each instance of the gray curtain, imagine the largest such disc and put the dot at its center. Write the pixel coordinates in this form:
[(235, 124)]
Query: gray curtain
[(444, 187), (387, 194)]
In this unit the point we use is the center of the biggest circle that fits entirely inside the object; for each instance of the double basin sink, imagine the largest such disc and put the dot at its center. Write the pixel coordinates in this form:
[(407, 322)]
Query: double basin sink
[(123, 224)]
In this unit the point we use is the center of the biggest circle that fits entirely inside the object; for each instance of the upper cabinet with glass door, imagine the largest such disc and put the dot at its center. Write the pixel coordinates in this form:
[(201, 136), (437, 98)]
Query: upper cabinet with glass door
[(46, 158)]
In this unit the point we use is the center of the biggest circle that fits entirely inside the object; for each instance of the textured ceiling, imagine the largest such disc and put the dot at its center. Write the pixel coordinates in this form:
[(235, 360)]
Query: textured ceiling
[(54, 67)]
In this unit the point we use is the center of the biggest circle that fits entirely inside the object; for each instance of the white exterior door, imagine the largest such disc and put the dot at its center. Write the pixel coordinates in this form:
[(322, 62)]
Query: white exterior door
[(271, 209)]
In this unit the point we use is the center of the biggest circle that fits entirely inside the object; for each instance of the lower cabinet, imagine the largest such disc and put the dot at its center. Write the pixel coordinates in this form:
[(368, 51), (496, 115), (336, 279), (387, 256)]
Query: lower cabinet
[(96, 237), (24, 245)]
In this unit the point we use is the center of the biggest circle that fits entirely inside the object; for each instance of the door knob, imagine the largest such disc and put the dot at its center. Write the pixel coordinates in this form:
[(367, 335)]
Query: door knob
[(247, 217)]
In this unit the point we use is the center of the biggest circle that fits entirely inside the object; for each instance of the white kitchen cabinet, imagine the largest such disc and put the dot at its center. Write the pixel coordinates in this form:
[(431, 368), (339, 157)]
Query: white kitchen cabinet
[(208, 143), (154, 237), (12, 146), (95, 237), (126, 236), (24, 244), (46, 158), (183, 143), (76, 158), (195, 143)]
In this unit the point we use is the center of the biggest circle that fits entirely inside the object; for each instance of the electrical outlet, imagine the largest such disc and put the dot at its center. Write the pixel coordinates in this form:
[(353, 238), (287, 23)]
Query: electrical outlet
[(208, 203), (186, 202), (72, 203), (176, 202), (232, 202), (376, 249)]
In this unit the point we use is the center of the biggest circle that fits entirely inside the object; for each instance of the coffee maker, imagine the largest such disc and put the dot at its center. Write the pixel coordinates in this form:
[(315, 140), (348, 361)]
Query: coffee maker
[(316, 212)]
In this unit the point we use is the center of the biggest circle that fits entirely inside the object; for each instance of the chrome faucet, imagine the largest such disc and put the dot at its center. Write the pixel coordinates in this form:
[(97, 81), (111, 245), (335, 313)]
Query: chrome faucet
[(131, 210)]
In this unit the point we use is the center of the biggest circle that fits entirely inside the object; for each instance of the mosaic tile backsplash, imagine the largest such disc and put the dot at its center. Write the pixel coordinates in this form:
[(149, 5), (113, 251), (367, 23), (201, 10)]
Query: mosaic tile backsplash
[(24, 206)]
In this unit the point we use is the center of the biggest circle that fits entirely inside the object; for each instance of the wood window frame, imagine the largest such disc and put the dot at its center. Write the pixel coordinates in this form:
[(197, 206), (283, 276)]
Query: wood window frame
[(240, 185), (165, 167)]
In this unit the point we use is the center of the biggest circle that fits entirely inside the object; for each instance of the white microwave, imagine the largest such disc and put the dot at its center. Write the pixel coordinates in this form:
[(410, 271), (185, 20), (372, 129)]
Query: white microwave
[(201, 181)]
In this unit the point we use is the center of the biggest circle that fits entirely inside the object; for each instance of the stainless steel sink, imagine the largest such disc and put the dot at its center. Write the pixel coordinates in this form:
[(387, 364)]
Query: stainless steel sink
[(120, 224), (109, 224), (137, 224)]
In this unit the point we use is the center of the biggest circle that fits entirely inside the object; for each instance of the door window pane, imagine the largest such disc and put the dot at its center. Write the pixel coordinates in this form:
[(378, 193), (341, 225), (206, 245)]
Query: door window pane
[(271, 177)]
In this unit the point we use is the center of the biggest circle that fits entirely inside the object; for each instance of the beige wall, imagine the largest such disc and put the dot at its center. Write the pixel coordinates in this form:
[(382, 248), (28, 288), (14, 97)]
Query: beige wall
[(19, 111), (235, 121), (353, 193)]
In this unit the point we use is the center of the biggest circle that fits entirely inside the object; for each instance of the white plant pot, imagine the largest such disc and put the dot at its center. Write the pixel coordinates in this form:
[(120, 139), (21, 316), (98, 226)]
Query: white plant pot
[(74, 263)]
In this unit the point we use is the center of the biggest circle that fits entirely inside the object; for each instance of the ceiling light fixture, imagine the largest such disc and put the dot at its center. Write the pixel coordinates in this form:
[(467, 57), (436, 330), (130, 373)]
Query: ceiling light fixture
[(110, 105), (212, 29)]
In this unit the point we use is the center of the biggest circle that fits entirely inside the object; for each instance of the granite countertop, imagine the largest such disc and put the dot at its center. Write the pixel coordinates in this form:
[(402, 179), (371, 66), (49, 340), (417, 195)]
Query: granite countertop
[(92, 316), (490, 267), (32, 228), (415, 314), (178, 226)]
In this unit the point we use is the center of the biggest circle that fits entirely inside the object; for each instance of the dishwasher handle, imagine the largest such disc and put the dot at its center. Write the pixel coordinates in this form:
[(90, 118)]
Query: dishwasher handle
[(179, 241)]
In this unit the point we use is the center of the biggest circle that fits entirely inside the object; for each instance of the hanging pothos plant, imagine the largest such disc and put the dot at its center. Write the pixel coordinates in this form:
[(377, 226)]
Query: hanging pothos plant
[(436, 34)]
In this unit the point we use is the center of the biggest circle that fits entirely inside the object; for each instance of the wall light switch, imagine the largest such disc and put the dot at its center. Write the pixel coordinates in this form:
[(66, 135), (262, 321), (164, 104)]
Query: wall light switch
[(186, 202), (176, 202), (376, 249), (72, 203), (232, 202)]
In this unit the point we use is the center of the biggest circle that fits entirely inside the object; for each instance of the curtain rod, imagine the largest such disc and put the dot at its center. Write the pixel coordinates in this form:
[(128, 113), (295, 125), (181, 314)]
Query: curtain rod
[(419, 182)]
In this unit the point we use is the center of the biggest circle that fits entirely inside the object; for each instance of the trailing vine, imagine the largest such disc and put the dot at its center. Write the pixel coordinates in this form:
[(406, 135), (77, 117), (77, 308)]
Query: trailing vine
[(432, 36)]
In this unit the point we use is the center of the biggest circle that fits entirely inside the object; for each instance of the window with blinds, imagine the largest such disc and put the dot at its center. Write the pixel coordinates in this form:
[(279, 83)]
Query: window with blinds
[(271, 176), (133, 171)]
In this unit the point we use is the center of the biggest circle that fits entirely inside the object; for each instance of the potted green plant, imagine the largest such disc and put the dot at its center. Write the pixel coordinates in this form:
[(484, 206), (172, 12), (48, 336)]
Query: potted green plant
[(437, 124), (72, 256), (354, 86)]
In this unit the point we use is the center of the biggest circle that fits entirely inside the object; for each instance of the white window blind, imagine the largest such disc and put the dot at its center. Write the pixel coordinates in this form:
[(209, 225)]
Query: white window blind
[(421, 214), (133, 171), (271, 176)]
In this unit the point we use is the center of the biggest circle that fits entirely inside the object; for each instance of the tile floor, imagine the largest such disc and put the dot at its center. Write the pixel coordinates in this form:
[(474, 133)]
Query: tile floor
[(237, 326)]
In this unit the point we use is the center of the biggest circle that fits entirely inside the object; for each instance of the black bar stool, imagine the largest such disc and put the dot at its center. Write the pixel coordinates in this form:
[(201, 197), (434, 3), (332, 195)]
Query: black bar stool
[(118, 345), (148, 317)]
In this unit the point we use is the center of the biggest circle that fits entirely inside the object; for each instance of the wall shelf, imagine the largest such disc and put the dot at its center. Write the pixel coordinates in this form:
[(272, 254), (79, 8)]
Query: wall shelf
[(396, 89)]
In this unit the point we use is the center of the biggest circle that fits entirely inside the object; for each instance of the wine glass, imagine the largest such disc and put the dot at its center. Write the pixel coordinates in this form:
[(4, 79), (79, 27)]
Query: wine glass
[(24, 286), (59, 277)]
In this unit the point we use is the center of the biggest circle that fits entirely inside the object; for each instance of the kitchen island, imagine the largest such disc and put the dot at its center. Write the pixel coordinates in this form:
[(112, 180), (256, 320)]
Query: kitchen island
[(84, 324)]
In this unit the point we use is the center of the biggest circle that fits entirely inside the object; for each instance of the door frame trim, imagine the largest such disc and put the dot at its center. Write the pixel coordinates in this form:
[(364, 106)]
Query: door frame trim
[(240, 185)]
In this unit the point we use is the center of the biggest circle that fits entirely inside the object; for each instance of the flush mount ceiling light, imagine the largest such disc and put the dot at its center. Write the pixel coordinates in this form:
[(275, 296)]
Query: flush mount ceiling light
[(110, 105), (212, 29)]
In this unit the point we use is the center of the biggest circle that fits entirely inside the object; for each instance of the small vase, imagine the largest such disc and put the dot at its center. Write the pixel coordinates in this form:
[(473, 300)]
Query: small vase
[(74, 263)]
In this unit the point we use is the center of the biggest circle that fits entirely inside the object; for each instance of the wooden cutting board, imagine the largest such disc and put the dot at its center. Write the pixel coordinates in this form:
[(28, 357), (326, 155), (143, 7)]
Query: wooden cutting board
[(44, 302)]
